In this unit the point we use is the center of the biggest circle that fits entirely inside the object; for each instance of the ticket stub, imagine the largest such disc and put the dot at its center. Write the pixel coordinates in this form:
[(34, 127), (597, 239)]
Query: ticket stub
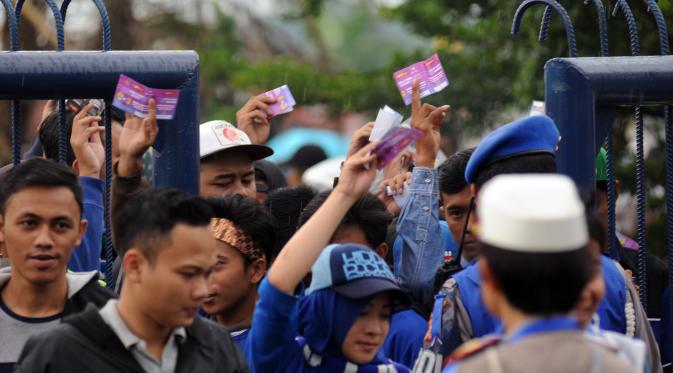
[(429, 73), (393, 143), (385, 120), (284, 100), (133, 98)]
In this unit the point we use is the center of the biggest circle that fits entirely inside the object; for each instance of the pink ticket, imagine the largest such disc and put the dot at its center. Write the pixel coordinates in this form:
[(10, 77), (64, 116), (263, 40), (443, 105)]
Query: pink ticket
[(284, 100), (133, 97), (429, 73), (393, 143)]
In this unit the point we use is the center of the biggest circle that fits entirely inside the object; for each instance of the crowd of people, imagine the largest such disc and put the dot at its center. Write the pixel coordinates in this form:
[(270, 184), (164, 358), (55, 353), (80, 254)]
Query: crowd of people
[(487, 262)]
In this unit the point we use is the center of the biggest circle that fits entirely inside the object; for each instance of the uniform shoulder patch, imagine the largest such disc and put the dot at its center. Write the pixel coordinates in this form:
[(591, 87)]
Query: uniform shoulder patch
[(473, 347)]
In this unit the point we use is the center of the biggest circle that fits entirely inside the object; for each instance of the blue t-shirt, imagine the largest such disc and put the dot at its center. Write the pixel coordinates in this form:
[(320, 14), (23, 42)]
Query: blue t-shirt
[(405, 338), (271, 342), (86, 256)]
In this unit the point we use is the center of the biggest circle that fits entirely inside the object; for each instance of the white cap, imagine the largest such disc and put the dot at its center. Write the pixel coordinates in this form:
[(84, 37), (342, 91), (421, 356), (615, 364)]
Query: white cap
[(536, 213), (218, 135), (321, 175)]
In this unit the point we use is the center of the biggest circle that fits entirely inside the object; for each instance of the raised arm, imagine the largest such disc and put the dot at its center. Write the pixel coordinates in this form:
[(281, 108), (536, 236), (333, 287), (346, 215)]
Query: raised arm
[(299, 254)]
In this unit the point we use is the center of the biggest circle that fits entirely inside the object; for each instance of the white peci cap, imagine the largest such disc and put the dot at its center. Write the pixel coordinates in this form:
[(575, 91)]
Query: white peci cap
[(536, 213), (219, 135)]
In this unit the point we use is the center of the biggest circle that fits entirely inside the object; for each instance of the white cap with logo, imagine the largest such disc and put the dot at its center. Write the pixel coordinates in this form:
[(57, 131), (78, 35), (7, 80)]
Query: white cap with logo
[(219, 135), (536, 213)]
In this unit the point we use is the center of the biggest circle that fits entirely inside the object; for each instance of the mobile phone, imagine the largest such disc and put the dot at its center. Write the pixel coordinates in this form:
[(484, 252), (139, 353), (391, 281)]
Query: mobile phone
[(77, 104)]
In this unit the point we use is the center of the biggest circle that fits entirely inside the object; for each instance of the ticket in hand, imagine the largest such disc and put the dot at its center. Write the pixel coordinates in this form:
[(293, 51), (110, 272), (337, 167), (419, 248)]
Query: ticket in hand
[(393, 143), (133, 98), (429, 73), (284, 101), (385, 120)]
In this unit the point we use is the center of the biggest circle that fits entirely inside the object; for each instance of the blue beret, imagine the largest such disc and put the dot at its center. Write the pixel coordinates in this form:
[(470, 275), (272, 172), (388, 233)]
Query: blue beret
[(533, 134)]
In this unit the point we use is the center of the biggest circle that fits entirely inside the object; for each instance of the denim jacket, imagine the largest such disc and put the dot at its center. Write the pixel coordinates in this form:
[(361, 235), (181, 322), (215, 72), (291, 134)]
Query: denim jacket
[(418, 225)]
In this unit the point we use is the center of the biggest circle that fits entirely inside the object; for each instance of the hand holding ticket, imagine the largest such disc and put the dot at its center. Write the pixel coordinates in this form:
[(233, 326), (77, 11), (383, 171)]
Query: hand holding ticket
[(133, 98), (284, 101), (429, 73), (393, 143)]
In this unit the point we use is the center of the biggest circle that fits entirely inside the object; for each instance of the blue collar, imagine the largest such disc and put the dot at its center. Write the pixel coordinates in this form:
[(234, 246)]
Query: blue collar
[(545, 325)]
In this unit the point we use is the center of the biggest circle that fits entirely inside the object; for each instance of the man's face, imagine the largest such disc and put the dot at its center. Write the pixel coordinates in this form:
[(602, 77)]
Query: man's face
[(174, 285), (230, 282), (602, 207), (455, 207), (228, 174), (40, 228)]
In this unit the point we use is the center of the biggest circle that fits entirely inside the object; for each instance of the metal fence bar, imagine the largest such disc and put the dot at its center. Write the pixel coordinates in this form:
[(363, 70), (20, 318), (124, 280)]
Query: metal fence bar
[(567, 22)]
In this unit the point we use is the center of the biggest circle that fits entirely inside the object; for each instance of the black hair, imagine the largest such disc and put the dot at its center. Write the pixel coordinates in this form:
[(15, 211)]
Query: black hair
[(596, 230), (39, 172), (285, 205), (152, 214), (250, 216), (540, 283), (49, 133), (535, 163), (49, 136), (452, 172), (367, 213)]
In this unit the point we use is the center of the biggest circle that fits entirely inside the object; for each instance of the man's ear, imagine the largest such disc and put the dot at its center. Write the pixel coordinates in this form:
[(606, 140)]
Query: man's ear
[(83, 225), (382, 250), (75, 167), (2, 228), (133, 264), (474, 190), (257, 270)]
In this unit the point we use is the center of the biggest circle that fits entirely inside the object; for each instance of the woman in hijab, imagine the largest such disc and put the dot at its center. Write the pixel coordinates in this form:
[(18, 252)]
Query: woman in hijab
[(342, 322)]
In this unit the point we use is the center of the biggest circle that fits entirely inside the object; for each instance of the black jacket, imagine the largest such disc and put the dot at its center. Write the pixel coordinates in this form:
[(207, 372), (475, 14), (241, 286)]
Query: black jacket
[(92, 293), (84, 343), (657, 278)]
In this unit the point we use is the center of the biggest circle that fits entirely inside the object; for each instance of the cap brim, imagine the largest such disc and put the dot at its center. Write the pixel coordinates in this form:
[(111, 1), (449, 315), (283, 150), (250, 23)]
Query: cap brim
[(368, 287), (255, 152)]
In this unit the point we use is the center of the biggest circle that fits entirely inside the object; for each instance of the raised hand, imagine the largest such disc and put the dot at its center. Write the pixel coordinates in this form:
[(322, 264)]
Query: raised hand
[(86, 143), (427, 119), (253, 118), (358, 173), (137, 136), (360, 138)]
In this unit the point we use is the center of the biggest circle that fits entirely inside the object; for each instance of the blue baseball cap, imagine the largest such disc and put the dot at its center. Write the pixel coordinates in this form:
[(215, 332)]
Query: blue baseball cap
[(530, 135), (354, 271)]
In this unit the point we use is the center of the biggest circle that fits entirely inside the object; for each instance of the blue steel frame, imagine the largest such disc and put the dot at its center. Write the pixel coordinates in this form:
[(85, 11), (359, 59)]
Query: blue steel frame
[(575, 88), (29, 75)]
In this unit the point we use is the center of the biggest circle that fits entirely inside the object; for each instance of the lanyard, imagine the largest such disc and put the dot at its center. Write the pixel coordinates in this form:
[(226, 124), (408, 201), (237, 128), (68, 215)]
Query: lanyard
[(545, 325)]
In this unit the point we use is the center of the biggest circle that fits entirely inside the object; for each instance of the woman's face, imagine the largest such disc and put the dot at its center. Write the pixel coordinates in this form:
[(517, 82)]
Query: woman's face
[(366, 336)]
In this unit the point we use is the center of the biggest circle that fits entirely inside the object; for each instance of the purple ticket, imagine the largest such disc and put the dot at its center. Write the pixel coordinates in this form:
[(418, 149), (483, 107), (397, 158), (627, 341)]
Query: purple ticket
[(133, 98), (429, 73), (284, 100), (393, 143)]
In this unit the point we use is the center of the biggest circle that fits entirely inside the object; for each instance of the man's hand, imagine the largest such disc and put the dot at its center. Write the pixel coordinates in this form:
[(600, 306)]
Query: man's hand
[(253, 118), (137, 136), (427, 119), (360, 138), (396, 186), (86, 143), (358, 173)]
